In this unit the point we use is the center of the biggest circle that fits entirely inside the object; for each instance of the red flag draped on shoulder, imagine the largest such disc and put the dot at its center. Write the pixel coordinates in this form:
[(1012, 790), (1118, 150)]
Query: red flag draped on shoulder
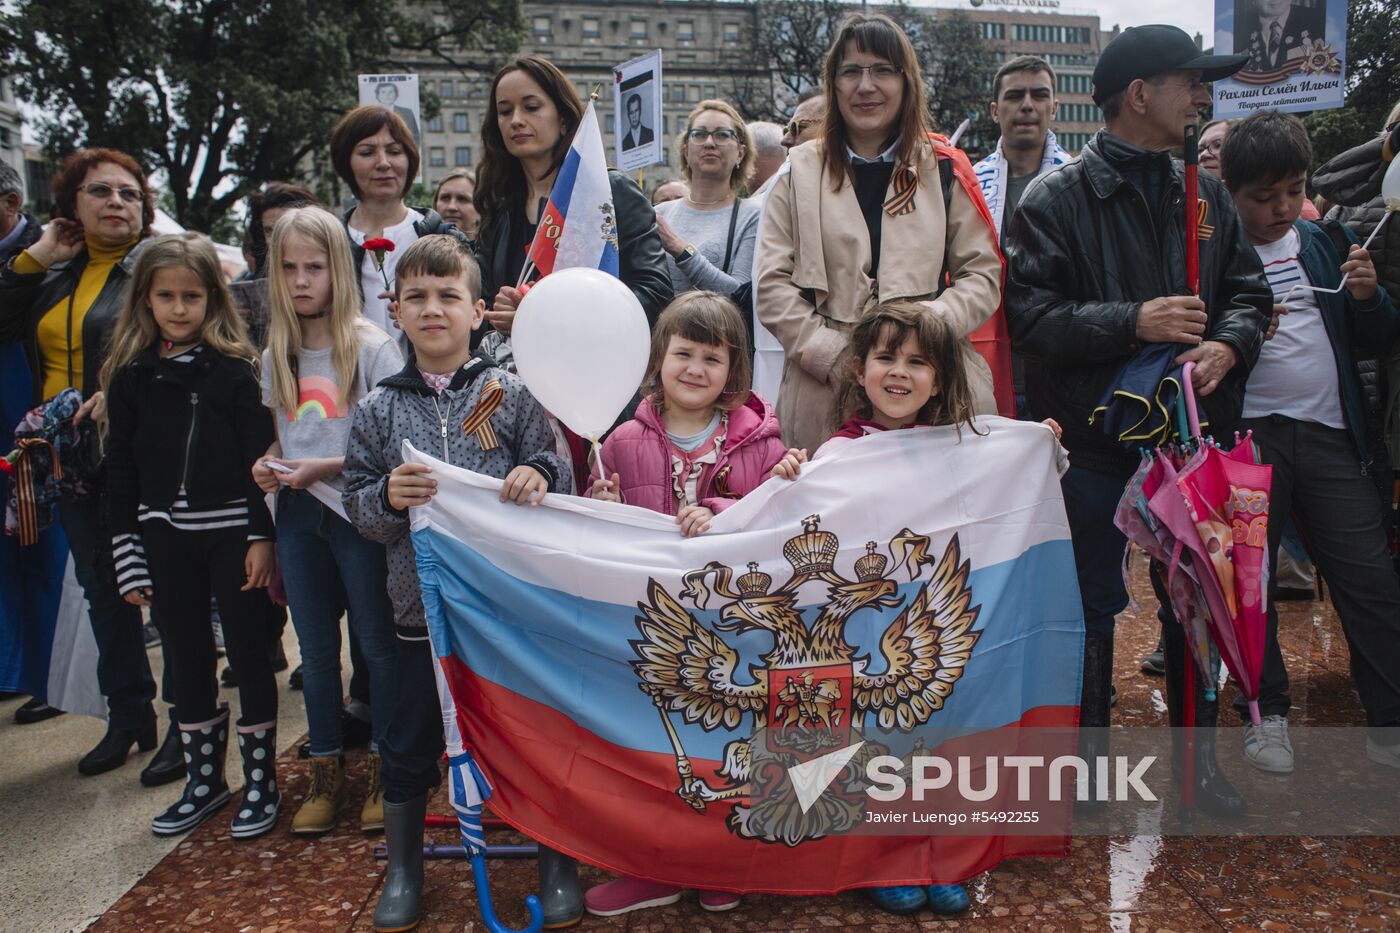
[(991, 339)]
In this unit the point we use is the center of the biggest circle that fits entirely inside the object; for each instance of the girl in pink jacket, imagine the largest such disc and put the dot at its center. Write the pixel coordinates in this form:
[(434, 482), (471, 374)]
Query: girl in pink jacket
[(701, 439)]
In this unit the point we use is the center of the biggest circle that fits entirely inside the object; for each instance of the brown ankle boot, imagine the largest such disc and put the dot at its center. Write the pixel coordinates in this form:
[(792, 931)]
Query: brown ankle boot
[(372, 813), (325, 797)]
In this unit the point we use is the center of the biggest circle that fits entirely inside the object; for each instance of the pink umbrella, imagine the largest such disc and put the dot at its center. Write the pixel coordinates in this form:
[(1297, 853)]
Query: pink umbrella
[(1227, 499)]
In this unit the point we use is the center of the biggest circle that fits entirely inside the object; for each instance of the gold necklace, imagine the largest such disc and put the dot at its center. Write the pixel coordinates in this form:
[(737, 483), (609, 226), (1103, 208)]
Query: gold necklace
[(705, 203)]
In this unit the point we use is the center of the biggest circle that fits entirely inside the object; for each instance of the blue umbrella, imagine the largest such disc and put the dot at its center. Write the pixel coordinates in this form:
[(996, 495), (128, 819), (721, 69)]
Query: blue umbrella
[(469, 789), (1137, 410)]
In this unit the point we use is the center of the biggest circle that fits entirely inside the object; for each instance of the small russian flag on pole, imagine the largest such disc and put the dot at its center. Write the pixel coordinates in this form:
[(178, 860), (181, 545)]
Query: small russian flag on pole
[(579, 226)]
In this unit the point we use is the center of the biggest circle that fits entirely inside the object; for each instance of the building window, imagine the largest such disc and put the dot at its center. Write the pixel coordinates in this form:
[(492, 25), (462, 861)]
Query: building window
[(608, 124), (437, 157), (685, 30), (435, 124), (731, 32), (541, 27), (590, 27), (447, 88), (678, 93), (461, 123), (639, 29), (463, 155), (427, 87)]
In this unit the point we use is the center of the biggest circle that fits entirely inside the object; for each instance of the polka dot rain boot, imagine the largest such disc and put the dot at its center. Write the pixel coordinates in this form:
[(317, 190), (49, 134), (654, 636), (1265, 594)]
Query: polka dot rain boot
[(204, 745), (261, 799)]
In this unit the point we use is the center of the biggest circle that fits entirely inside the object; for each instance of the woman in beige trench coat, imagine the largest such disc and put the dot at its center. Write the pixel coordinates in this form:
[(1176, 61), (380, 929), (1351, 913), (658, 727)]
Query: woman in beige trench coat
[(857, 218)]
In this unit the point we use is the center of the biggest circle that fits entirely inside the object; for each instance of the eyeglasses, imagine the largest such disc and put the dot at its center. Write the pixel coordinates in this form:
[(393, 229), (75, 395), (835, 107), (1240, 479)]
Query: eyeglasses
[(1215, 145), (795, 126), (103, 192), (721, 136), (882, 73)]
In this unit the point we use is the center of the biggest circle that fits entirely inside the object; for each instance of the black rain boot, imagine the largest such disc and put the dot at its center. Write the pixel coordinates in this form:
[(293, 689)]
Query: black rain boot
[(257, 746), (1213, 792), (403, 881), (560, 896), (1095, 697), (169, 762), (205, 790)]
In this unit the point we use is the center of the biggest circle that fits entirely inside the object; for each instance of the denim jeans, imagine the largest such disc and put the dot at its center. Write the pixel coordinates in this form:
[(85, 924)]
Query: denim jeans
[(413, 744), (1317, 478), (1091, 497), (123, 673), (327, 569)]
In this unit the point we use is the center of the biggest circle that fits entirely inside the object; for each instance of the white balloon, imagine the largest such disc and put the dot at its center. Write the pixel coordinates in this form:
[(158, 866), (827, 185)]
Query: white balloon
[(581, 344), (1390, 185)]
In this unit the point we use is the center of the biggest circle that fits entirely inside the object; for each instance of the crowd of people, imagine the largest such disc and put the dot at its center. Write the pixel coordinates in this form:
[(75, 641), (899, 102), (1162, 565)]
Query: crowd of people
[(806, 286)]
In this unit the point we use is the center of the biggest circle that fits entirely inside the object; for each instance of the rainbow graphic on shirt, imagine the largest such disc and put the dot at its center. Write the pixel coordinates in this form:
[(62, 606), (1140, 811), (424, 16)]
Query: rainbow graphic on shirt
[(318, 397)]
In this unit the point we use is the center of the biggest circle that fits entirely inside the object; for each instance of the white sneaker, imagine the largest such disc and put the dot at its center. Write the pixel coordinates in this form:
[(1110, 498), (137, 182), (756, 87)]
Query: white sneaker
[(1383, 754), (1266, 745)]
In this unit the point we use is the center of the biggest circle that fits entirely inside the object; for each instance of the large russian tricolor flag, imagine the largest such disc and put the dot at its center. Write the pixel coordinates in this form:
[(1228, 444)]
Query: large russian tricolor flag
[(645, 701), (579, 225)]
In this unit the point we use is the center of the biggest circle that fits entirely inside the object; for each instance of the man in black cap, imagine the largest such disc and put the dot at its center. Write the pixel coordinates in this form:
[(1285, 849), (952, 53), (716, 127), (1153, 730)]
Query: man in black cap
[(1096, 272)]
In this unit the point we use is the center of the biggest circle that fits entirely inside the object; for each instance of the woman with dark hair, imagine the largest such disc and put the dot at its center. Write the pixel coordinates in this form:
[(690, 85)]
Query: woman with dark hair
[(530, 121), (876, 225), (61, 297), (264, 210), (374, 153)]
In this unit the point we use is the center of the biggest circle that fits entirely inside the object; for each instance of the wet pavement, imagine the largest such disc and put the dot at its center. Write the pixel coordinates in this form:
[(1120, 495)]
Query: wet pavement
[(1151, 883)]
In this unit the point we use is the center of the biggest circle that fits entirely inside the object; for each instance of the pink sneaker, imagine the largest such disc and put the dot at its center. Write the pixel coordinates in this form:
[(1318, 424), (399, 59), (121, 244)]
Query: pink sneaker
[(716, 901), (622, 895)]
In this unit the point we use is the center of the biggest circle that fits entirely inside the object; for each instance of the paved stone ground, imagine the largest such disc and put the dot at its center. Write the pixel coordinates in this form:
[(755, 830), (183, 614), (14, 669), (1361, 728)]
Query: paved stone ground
[(281, 882)]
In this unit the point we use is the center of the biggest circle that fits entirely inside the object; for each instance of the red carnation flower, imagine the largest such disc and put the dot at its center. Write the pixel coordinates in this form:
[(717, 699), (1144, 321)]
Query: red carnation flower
[(379, 246)]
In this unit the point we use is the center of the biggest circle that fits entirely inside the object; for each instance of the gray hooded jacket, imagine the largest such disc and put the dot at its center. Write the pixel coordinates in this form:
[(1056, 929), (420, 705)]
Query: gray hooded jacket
[(405, 406)]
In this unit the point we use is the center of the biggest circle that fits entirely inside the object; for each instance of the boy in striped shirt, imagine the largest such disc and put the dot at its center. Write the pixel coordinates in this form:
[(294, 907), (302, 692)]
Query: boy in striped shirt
[(1305, 406)]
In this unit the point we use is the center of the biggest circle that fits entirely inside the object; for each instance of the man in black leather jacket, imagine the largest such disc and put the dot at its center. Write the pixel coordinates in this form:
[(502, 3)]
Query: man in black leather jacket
[(1095, 272)]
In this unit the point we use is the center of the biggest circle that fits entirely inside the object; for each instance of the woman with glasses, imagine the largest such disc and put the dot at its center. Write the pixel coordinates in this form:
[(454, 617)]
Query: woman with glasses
[(1211, 140), (62, 296), (709, 234), (530, 121), (860, 219)]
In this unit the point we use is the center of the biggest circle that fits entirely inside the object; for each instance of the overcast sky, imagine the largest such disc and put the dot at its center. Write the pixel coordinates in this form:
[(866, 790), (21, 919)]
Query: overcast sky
[(1192, 15)]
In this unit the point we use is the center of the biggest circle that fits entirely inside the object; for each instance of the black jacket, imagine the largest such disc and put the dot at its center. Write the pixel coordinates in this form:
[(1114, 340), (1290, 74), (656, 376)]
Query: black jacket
[(641, 261), (27, 238), (200, 424), (1083, 255), (24, 299)]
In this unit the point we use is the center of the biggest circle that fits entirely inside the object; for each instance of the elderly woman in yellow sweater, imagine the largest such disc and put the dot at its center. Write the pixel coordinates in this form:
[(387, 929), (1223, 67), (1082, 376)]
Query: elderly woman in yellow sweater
[(61, 297)]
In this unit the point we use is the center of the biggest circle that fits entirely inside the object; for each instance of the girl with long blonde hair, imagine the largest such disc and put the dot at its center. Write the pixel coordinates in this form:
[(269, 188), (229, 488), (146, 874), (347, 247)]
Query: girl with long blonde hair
[(322, 357), (185, 426)]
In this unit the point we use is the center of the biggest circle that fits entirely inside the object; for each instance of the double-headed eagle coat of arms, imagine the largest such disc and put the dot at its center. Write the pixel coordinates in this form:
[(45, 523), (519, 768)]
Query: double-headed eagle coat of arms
[(811, 694)]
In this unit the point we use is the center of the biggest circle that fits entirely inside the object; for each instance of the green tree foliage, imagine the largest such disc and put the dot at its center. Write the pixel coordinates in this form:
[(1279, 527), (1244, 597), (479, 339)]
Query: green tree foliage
[(1373, 64), (221, 96), (789, 39)]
